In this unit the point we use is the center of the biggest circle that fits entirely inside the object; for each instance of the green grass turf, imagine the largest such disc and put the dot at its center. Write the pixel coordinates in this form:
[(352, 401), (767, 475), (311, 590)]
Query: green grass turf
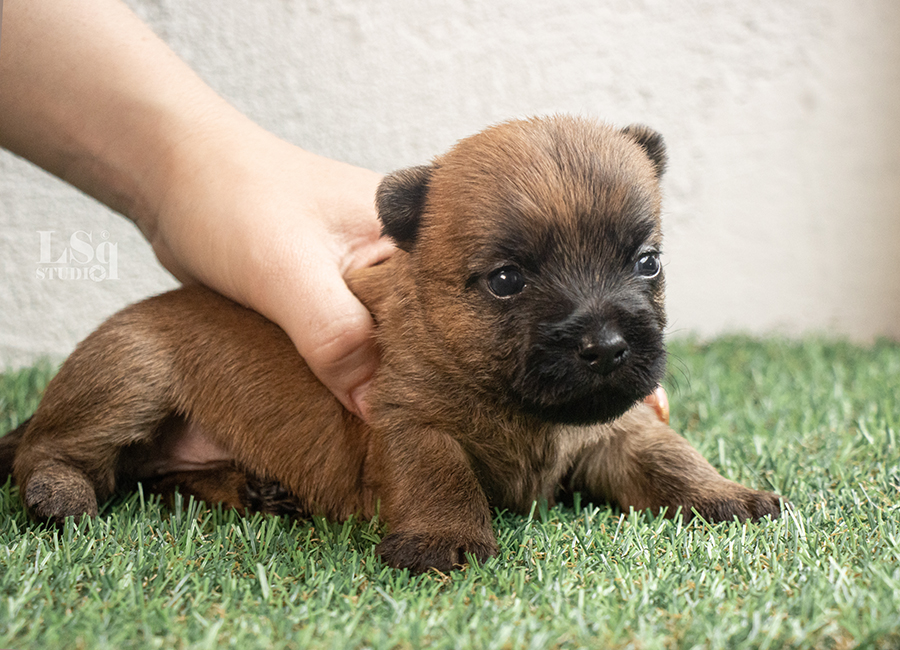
[(816, 421)]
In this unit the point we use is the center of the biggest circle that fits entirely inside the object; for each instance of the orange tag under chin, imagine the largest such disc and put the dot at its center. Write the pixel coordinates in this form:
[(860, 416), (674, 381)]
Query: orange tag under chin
[(659, 401)]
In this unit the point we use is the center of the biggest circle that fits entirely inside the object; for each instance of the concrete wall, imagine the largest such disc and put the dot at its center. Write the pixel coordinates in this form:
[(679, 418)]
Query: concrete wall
[(782, 119)]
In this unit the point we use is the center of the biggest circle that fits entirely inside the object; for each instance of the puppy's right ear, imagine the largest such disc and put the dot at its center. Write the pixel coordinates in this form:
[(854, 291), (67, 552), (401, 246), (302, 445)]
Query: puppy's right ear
[(400, 200)]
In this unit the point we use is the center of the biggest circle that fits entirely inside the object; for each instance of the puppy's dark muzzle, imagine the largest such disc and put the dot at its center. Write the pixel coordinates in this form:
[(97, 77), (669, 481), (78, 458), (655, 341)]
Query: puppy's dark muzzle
[(604, 351)]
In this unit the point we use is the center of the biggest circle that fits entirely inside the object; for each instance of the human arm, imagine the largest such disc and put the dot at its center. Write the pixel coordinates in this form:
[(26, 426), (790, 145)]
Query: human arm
[(90, 94)]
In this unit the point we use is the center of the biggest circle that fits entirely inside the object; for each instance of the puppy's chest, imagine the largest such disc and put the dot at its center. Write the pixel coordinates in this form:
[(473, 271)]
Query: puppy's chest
[(518, 465)]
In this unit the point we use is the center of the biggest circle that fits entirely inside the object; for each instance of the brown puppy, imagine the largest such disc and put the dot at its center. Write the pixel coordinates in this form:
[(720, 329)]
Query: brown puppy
[(520, 325)]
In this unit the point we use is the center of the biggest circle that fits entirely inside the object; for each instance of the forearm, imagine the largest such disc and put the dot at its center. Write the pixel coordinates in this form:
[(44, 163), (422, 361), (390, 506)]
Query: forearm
[(90, 94)]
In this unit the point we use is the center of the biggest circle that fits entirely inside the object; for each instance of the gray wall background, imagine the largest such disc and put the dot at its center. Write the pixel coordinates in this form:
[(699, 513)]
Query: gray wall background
[(782, 119)]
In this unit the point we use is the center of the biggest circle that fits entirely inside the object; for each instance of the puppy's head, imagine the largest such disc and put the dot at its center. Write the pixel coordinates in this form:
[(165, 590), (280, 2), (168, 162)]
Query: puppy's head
[(534, 248)]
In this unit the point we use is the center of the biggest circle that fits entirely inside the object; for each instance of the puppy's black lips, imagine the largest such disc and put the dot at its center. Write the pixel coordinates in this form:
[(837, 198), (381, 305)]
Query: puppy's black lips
[(573, 395), (576, 414), (593, 408)]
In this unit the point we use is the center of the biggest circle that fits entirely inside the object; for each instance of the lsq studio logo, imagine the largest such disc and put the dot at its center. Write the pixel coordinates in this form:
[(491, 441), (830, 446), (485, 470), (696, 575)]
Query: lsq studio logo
[(85, 258)]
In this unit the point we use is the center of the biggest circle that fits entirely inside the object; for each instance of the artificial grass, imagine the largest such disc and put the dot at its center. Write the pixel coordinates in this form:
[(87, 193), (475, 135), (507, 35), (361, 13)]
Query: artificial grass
[(816, 421)]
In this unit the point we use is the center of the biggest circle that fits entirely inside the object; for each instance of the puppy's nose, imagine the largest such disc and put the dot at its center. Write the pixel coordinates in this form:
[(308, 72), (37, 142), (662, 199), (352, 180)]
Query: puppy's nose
[(605, 351)]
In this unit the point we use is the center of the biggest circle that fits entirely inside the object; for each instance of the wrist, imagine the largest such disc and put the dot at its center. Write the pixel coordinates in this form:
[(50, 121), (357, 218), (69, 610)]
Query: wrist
[(246, 210), (174, 157)]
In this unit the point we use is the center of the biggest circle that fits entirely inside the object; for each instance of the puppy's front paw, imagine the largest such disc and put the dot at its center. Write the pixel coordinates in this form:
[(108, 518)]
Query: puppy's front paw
[(419, 552), (56, 491), (735, 500)]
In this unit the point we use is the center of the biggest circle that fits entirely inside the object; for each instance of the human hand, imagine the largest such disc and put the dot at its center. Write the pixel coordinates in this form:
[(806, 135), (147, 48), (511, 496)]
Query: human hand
[(90, 94), (276, 228)]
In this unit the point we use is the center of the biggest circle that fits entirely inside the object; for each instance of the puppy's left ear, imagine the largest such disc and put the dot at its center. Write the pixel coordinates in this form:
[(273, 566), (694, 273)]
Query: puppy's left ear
[(400, 200), (652, 142)]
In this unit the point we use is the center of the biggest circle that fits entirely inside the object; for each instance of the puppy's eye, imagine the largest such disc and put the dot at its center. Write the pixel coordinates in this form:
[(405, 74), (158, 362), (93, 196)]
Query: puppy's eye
[(648, 265), (506, 282)]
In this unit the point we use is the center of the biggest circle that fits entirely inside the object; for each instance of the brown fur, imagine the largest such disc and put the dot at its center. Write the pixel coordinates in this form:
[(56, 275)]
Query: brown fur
[(482, 400)]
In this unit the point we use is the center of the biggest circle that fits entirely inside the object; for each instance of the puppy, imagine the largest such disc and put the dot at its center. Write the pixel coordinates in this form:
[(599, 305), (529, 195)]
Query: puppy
[(520, 325)]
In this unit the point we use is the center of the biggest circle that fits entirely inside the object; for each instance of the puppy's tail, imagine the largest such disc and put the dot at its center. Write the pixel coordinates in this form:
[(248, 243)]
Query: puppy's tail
[(8, 446)]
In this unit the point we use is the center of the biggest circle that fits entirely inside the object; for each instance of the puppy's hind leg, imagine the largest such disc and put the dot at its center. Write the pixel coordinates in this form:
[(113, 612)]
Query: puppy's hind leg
[(56, 490), (54, 486), (66, 466), (229, 486), (107, 395)]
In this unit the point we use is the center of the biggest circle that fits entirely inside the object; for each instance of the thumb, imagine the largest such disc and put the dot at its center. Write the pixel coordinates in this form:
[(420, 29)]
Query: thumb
[(334, 333)]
